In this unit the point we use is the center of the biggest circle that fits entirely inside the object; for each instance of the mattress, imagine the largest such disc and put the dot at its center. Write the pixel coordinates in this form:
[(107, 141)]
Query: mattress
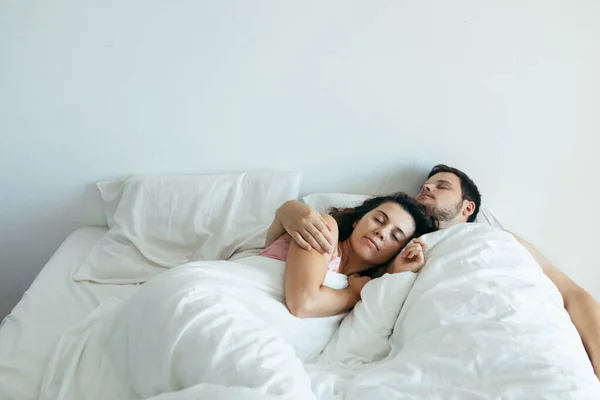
[(49, 307)]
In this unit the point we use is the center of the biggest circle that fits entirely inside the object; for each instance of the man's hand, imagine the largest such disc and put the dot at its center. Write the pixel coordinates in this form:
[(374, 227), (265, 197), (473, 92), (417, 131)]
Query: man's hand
[(306, 226), (411, 258)]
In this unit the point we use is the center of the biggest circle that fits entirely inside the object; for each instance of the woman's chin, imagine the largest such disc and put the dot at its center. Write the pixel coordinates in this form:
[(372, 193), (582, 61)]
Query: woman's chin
[(372, 259), (367, 253)]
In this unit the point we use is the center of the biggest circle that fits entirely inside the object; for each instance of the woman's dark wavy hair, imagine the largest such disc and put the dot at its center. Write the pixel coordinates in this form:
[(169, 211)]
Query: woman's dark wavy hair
[(346, 217)]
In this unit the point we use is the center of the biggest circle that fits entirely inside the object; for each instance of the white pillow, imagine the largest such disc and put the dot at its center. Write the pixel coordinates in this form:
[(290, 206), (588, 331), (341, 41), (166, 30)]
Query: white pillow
[(162, 221), (363, 336), (322, 202)]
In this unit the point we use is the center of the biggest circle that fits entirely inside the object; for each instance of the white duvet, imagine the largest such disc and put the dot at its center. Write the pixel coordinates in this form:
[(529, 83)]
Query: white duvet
[(216, 328), (481, 321)]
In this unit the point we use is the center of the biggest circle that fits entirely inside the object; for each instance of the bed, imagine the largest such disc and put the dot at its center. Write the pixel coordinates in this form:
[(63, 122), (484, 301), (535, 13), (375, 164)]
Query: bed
[(171, 303), (64, 293), (52, 304)]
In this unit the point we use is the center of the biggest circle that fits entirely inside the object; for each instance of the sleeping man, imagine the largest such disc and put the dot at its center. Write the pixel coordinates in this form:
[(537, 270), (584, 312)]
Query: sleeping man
[(453, 198)]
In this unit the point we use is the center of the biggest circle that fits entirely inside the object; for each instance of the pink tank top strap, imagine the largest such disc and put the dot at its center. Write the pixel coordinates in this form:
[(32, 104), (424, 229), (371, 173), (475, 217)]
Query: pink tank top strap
[(278, 250)]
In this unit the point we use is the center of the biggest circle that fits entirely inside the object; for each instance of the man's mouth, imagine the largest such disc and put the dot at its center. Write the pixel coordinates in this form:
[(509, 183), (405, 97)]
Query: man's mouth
[(426, 195)]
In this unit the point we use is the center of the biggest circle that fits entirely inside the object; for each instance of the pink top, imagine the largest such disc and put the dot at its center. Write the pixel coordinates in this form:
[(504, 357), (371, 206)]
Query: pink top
[(279, 250)]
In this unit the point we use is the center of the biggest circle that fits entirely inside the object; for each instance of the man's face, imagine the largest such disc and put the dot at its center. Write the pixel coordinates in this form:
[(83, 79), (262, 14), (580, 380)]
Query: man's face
[(441, 196)]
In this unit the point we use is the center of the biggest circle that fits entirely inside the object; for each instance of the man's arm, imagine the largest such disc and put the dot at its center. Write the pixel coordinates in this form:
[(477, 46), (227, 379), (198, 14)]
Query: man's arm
[(581, 306), (304, 224)]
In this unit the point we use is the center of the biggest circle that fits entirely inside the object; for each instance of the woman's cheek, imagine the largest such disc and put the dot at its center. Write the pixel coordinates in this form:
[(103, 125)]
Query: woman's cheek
[(393, 250)]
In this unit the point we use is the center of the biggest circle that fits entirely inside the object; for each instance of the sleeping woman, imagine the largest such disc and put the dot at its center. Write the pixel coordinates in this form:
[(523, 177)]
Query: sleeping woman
[(369, 236)]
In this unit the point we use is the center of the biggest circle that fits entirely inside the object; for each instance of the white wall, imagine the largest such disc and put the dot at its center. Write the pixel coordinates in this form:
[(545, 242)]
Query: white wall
[(369, 94)]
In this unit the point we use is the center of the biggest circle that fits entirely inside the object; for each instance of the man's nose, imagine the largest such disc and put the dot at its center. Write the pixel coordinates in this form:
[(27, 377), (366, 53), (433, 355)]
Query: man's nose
[(426, 188)]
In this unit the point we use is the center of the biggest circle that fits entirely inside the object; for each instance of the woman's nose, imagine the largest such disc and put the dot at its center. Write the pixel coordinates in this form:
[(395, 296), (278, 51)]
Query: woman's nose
[(379, 233)]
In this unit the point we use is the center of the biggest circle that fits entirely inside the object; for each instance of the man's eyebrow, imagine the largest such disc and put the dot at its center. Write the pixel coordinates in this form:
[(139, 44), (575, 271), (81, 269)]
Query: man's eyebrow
[(444, 181), (387, 218)]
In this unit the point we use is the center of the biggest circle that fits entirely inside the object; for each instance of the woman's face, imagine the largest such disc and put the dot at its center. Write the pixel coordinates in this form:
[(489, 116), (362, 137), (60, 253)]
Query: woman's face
[(381, 233)]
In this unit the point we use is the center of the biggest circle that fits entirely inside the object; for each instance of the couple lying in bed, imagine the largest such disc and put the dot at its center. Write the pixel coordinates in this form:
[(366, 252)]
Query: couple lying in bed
[(382, 235)]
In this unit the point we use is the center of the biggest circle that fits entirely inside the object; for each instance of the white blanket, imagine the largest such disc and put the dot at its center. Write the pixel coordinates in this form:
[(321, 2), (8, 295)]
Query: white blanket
[(203, 330), (481, 321)]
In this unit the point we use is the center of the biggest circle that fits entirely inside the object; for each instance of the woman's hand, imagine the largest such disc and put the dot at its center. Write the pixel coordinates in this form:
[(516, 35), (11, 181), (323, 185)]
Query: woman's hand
[(355, 285), (411, 258), (306, 226)]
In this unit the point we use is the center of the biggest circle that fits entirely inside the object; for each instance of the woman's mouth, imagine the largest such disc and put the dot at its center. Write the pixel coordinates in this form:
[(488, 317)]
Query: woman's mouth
[(372, 243)]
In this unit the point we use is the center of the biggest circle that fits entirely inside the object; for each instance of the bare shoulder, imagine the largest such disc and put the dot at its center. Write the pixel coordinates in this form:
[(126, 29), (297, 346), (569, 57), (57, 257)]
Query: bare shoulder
[(519, 238), (335, 232), (333, 226), (525, 243), (329, 220), (539, 257)]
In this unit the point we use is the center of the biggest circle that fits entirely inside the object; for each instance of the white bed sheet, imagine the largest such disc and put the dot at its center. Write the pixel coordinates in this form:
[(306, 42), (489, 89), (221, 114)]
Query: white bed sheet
[(51, 305)]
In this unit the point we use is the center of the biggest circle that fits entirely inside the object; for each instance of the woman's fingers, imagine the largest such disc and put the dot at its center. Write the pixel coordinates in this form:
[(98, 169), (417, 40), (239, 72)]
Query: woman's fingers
[(421, 242), (407, 247), (411, 257), (412, 248), (420, 258), (415, 253)]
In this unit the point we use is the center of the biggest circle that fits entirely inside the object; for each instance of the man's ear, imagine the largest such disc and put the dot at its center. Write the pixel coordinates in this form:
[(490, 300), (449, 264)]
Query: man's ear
[(468, 208)]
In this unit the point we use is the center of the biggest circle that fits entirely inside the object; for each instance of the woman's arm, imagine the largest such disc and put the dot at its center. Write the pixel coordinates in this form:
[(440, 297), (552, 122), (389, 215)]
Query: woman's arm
[(305, 295)]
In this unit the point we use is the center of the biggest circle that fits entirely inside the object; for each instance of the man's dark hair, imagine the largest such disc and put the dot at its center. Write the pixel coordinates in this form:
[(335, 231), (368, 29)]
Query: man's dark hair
[(468, 187)]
